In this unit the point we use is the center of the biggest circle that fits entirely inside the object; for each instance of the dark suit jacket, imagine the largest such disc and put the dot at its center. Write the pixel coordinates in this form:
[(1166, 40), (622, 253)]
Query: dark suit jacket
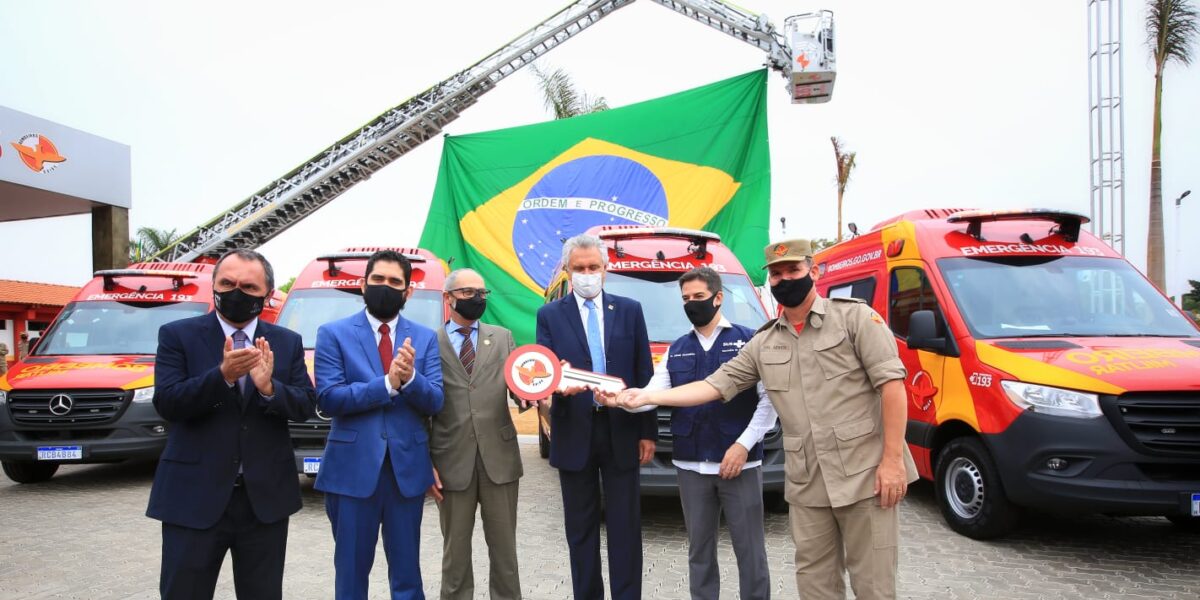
[(368, 423), (627, 355), (211, 429)]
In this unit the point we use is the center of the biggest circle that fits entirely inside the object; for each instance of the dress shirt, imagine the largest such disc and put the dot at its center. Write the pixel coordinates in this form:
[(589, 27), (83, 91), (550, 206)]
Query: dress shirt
[(456, 338), (583, 313)]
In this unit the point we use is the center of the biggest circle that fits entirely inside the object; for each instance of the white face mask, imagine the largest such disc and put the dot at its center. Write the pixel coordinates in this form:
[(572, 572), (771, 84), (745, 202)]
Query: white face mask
[(587, 285)]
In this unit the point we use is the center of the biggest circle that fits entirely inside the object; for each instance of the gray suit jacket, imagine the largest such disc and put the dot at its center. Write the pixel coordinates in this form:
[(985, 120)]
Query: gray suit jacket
[(475, 417)]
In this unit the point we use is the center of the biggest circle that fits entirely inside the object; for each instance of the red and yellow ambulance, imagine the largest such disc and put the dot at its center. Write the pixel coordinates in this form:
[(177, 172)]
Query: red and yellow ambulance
[(1044, 371), (84, 394), (645, 263), (330, 288)]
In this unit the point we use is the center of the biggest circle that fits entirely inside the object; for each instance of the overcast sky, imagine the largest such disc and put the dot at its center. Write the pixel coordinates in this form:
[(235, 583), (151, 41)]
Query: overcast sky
[(948, 104)]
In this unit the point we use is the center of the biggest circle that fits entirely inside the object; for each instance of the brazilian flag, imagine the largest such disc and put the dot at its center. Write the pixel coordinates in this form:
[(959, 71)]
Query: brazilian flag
[(505, 200)]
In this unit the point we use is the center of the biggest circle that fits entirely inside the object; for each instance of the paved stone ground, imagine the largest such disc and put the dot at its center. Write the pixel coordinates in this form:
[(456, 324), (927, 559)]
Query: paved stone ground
[(83, 535)]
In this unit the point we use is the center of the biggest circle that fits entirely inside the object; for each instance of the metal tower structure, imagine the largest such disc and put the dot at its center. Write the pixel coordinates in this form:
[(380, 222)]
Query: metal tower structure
[(1106, 121)]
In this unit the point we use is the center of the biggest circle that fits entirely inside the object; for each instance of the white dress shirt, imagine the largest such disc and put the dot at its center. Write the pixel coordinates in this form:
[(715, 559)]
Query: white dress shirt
[(375, 323), (583, 312), (760, 423)]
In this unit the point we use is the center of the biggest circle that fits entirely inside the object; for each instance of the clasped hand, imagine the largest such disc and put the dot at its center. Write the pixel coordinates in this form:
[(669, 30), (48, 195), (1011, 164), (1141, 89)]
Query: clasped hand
[(257, 361), (401, 369)]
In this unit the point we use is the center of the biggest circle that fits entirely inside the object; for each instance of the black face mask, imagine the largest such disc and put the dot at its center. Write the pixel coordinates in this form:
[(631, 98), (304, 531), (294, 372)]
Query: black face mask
[(471, 309), (701, 312), (384, 301), (792, 292), (238, 306)]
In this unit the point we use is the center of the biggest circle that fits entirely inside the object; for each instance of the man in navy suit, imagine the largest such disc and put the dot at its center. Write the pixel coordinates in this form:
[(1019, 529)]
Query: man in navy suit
[(379, 376), (227, 480), (595, 449)]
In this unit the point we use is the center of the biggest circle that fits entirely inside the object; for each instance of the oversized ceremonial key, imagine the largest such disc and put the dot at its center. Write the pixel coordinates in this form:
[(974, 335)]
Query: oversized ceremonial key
[(533, 372)]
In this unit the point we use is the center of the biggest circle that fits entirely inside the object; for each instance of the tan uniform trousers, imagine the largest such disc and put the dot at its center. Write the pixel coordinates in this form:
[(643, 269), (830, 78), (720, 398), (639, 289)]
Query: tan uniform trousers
[(498, 508), (861, 538)]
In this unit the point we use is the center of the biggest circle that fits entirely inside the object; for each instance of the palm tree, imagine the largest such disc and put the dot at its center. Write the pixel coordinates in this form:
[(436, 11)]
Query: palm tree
[(1170, 31), (845, 164), (150, 241), (562, 97)]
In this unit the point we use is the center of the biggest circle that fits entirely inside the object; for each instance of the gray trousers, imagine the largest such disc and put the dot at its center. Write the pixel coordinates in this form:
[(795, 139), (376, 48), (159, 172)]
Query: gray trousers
[(704, 497), (498, 508)]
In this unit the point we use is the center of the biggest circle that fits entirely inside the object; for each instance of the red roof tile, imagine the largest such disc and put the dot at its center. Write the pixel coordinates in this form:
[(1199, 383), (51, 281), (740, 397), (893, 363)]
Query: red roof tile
[(36, 294)]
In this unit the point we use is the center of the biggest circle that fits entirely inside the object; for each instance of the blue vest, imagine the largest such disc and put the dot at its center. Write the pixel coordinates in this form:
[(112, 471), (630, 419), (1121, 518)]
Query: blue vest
[(705, 432)]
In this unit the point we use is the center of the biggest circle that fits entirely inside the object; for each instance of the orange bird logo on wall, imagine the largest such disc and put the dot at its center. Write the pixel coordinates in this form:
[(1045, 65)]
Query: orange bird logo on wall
[(36, 156)]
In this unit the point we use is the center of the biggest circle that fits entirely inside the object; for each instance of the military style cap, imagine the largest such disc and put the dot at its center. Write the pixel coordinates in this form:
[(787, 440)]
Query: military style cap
[(787, 251)]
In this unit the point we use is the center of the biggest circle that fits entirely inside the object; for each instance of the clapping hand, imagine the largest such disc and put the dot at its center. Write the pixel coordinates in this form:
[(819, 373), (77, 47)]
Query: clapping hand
[(261, 372), (236, 363), (401, 369)]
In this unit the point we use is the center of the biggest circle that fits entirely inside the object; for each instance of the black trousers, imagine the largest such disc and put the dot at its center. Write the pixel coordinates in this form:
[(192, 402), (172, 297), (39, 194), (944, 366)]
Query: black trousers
[(581, 492), (191, 558)]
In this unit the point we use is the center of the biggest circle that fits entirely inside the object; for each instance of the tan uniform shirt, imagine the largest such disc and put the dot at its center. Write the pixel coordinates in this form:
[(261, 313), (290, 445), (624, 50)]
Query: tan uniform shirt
[(824, 384)]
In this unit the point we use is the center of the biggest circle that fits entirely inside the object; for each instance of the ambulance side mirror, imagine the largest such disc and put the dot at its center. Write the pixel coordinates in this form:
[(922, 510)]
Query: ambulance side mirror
[(922, 333)]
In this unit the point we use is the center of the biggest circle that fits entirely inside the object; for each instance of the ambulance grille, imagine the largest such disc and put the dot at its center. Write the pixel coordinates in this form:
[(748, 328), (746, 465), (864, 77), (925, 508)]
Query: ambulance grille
[(1162, 423), (70, 407)]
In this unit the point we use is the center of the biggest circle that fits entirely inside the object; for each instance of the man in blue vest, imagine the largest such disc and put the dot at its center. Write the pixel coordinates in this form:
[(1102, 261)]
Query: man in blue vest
[(717, 446)]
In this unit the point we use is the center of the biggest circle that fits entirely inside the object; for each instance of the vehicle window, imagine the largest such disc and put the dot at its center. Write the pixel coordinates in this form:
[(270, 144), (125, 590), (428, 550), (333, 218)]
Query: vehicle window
[(662, 307), (307, 310), (1075, 296), (110, 327), (909, 290), (863, 289)]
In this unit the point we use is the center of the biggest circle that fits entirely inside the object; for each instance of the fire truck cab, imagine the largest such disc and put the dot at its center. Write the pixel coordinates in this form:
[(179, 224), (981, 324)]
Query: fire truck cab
[(84, 394), (330, 288), (1044, 371)]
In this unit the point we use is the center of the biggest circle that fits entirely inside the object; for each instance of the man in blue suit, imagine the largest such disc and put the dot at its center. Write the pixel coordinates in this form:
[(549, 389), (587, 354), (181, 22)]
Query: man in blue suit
[(595, 449), (227, 481), (379, 376)]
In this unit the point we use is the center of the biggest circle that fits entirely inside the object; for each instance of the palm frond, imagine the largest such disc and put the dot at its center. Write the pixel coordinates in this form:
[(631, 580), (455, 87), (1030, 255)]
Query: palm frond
[(561, 96), (1171, 30)]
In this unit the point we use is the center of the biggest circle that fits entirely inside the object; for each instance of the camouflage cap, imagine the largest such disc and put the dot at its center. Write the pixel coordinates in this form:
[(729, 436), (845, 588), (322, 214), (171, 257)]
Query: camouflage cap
[(787, 251)]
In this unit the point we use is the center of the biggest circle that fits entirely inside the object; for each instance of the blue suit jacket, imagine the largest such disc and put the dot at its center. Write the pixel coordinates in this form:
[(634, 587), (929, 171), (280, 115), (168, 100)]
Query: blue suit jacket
[(210, 432), (367, 422), (560, 327)]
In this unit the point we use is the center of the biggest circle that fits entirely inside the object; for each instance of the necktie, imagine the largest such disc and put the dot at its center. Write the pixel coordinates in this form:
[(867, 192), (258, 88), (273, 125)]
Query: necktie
[(385, 347), (467, 353), (595, 340), (240, 340)]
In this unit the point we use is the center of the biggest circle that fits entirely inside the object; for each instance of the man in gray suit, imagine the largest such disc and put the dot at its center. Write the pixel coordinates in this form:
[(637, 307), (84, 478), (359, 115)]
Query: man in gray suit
[(473, 444)]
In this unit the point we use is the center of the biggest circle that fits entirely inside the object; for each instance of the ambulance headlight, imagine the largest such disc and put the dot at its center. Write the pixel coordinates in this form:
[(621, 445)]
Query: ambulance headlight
[(143, 395), (1052, 401), (3, 395)]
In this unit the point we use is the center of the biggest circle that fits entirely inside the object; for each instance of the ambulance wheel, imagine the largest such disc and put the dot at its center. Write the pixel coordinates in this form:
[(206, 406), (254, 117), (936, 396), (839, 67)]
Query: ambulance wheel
[(543, 442), (28, 471), (969, 491), (1185, 522)]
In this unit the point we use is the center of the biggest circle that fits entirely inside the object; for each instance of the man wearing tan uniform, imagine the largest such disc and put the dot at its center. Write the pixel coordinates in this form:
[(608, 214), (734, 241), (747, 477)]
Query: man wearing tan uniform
[(473, 444), (831, 370)]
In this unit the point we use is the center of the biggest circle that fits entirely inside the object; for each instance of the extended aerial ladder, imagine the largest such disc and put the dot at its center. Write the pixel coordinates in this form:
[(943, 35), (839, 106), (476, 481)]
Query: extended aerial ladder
[(803, 54)]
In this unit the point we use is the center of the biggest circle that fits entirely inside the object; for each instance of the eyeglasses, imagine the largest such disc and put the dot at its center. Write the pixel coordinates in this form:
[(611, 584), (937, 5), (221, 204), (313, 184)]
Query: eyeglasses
[(468, 292)]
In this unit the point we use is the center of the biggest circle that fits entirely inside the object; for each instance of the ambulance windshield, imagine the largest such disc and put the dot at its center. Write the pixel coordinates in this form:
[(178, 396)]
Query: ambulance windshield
[(658, 293), (111, 327), (306, 310), (1059, 296)]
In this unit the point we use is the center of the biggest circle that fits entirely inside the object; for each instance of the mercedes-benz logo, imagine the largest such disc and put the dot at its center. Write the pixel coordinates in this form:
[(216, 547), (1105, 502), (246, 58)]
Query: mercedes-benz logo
[(60, 404)]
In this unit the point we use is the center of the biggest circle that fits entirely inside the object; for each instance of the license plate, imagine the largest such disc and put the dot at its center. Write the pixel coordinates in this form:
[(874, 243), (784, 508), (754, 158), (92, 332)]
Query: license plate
[(1196, 505), (312, 465), (59, 452)]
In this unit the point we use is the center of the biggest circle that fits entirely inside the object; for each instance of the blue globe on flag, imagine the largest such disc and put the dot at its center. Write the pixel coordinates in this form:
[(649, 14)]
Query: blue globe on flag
[(578, 195)]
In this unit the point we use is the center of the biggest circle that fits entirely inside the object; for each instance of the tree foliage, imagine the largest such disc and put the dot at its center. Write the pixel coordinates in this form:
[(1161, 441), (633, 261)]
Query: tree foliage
[(561, 96)]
